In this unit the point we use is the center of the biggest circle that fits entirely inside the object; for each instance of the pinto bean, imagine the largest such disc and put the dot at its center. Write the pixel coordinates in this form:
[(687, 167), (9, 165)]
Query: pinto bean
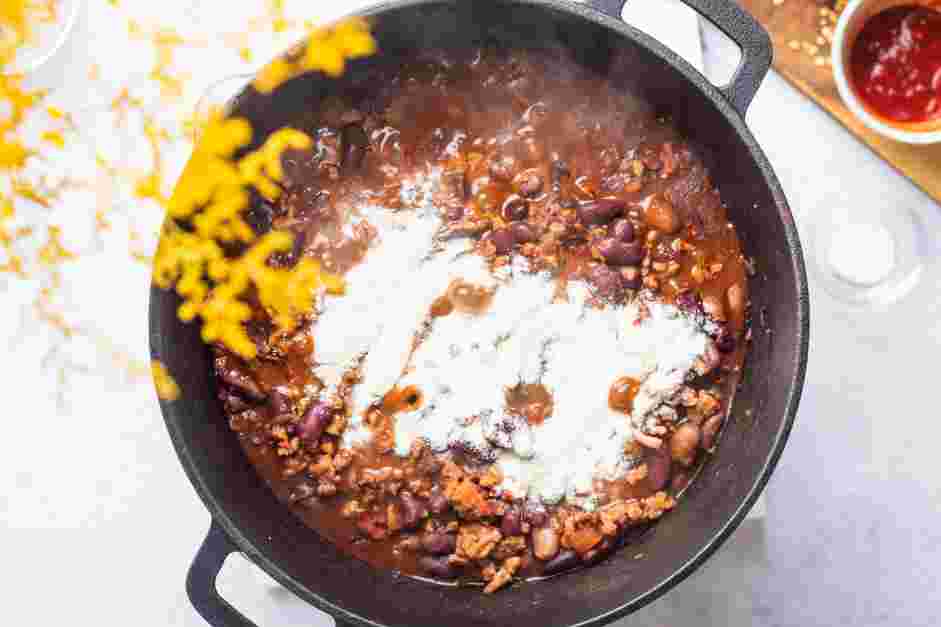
[(713, 307), (736, 298), (564, 561), (601, 211), (302, 492), (685, 443), (661, 215), (618, 253), (439, 542), (545, 543), (439, 567), (531, 185)]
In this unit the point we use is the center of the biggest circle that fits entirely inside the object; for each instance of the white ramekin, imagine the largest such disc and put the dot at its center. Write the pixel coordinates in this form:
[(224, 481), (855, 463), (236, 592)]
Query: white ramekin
[(851, 22)]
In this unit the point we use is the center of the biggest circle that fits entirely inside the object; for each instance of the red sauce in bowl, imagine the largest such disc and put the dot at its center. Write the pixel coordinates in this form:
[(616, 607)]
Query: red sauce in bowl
[(895, 64)]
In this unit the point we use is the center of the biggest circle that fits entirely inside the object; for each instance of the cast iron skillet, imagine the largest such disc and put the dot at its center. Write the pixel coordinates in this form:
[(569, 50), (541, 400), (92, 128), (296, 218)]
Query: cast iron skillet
[(247, 518)]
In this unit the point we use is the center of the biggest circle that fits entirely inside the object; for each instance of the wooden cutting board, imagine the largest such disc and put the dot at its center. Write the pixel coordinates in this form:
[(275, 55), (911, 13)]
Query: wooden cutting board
[(795, 26)]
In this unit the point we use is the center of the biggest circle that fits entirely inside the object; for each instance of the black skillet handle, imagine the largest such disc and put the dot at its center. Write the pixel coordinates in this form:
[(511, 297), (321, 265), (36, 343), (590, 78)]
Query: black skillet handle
[(742, 28), (201, 582)]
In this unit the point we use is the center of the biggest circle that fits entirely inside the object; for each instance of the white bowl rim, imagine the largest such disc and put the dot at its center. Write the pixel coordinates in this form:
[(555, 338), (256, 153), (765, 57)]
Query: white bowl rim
[(848, 94), (68, 25)]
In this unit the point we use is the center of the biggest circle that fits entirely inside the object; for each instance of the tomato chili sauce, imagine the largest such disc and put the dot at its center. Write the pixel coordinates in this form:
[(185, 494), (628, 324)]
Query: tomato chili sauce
[(895, 64), (525, 154)]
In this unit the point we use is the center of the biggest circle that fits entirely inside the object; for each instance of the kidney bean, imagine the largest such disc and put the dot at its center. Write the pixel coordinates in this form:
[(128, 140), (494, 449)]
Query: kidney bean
[(314, 421), (684, 443), (545, 543), (558, 173), (601, 211), (355, 144), (409, 543), (438, 567), (279, 401), (523, 233), (413, 510), (298, 165), (233, 402), (622, 230), (537, 517), (608, 283), (503, 168), (531, 186), (438, 503), (329, 153), (631, 278), (688, 302), (710, 359), (515, 208), (603, 550), (455, 213), (438, 542), (502, 239), (679, 481), (725, 339), (307, 202), (564, 561), (710, 430), (661, 215), (243, 383), (511, 523), (736, 297), (618, 253), (713, 307), (658, 467)]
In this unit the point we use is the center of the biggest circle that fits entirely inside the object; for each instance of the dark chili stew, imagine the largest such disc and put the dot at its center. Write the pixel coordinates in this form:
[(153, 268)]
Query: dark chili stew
[(534, 165)]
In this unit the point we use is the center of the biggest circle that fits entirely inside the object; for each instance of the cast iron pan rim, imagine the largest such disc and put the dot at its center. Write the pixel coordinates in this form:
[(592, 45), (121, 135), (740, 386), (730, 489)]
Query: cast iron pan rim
[(221, 517)]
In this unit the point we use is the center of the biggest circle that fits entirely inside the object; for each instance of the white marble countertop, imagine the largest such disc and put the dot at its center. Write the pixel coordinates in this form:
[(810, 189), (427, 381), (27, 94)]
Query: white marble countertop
[(101, 524)]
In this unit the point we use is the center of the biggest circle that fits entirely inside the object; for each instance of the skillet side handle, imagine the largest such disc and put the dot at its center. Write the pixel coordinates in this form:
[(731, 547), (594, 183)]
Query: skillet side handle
[(201, 581), (750, 36)]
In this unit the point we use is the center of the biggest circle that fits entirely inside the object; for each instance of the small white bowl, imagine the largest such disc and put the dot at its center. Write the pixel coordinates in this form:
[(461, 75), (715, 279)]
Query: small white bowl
[(50, 39), (851, 22)]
